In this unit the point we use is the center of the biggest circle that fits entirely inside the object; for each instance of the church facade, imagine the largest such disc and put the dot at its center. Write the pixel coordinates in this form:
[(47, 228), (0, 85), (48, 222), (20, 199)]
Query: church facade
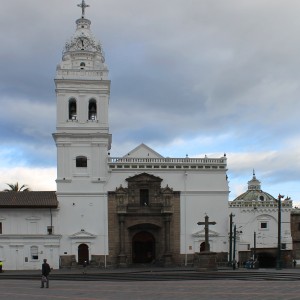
[(254, 227), (136, 209)]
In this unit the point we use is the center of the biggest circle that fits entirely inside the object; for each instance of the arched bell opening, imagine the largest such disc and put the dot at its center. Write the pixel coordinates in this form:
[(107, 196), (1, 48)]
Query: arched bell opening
[(92, 109), (72, 109)]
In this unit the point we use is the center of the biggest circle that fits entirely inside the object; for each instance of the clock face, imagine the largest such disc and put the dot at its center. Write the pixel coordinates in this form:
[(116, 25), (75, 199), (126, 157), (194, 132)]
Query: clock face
[(83, 43)]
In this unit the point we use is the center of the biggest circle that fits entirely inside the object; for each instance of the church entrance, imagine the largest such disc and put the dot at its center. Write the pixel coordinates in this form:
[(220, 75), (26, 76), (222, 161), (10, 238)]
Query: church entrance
[(143, 247), (266, 260), (83, 254)]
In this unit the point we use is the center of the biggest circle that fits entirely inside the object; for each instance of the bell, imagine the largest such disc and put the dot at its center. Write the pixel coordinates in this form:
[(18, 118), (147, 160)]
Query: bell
[(92, 112)]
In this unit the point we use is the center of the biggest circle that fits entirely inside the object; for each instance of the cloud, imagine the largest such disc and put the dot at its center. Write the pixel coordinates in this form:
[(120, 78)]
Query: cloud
[(194, 78), (37, 179)]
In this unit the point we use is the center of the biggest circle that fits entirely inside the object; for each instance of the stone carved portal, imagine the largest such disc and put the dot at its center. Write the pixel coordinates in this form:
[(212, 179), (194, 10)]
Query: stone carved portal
[(144, 222)]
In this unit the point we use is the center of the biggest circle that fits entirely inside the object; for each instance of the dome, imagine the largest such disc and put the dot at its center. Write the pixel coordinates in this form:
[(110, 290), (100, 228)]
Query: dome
[(254, 192), (257, 195), (83, 40)]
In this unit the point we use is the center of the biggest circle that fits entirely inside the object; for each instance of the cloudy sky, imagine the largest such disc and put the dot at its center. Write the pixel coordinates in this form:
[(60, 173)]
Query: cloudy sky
[(196, 77)]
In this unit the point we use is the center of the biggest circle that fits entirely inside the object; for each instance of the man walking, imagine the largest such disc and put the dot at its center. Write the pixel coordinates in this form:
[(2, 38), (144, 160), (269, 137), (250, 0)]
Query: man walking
[(45, 273)]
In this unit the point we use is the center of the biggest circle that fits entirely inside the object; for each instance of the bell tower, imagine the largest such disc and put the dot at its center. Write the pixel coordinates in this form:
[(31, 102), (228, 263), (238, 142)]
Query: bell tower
[(82, 139), (82, 131)]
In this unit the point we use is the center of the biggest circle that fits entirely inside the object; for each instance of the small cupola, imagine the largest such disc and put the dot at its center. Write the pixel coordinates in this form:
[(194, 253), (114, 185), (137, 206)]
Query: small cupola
[(254, 184)]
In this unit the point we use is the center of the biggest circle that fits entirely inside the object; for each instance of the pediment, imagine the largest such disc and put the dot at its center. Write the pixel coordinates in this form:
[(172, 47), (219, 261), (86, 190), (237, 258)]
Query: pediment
[(144, 177), (143, 151), (201, 233), (33, 218), (82, 234)]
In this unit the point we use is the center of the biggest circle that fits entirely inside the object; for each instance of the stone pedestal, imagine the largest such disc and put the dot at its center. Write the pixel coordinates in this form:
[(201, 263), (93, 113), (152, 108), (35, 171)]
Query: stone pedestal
[(206, 261), (168, 260)]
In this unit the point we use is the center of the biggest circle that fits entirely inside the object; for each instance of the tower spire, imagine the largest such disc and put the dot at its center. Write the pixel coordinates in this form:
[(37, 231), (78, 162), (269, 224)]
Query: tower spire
[(83, 7)]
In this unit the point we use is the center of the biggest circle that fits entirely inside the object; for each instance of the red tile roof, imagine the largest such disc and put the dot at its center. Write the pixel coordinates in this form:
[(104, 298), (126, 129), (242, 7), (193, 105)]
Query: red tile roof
[(28, 200)]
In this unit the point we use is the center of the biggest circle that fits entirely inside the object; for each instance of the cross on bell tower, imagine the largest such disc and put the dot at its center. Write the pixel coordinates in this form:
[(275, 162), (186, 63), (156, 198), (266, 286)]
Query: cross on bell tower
[(83, 7)]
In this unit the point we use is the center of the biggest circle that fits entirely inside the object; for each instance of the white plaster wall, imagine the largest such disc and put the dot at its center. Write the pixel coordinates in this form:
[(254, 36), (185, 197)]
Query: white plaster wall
[(248, 221), (197, 205), (23, 228), (87, 213)]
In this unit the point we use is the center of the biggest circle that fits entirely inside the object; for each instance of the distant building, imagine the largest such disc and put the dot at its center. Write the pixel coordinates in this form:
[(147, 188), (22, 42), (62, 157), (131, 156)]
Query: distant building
[(255, 215), (295, 228)]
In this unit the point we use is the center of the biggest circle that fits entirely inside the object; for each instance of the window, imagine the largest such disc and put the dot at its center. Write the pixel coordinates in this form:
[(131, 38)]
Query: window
[(144, 197), (0, 227), (34, 252), (263, 225), (82, 65), (81, 162), (283, 246), (92, 110), (72, 109)]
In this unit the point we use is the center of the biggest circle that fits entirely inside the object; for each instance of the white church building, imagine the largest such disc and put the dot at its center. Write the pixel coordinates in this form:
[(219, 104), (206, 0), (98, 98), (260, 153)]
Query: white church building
[(118, 211), (254, 214), (139, 208)]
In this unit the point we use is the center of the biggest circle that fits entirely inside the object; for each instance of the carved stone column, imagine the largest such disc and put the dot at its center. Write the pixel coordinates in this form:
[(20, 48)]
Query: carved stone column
[(122, 256), (167, 254)]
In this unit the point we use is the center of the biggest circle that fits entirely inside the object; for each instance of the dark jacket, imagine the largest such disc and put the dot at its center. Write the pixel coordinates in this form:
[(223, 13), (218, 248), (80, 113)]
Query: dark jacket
[(45, 269)]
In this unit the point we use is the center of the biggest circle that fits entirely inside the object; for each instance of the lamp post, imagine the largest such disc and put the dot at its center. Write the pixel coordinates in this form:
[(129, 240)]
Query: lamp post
[(230, 239), (278, 261), (234, 243), (254, 247)]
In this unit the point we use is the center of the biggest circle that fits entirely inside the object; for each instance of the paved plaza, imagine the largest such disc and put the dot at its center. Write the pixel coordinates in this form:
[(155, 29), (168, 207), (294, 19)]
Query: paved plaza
[(154, 290)]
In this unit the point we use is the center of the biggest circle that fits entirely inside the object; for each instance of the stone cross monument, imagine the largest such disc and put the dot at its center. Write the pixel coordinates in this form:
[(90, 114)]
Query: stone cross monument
[(206, 223)]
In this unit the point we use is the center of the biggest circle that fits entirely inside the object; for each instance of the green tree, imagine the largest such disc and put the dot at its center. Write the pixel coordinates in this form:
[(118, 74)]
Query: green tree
[(16, 188)]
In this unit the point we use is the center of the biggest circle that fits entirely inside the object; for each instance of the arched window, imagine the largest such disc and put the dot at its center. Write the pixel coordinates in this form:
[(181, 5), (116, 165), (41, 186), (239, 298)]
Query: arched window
[(82, 65), (92, 109), (72, 109), (81, 162), (34, 252)]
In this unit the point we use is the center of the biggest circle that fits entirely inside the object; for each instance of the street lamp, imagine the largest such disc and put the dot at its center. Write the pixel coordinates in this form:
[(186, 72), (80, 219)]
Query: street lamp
[(254, 246), (234, 244), (278, 261), (230, 239)]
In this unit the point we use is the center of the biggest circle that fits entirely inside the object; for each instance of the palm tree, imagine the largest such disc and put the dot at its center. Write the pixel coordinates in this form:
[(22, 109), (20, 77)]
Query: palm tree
[(16, 188)]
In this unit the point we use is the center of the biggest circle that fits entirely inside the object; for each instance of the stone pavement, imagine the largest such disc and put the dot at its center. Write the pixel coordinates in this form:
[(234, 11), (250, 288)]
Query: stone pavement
[(150, 290), (149, 273)]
